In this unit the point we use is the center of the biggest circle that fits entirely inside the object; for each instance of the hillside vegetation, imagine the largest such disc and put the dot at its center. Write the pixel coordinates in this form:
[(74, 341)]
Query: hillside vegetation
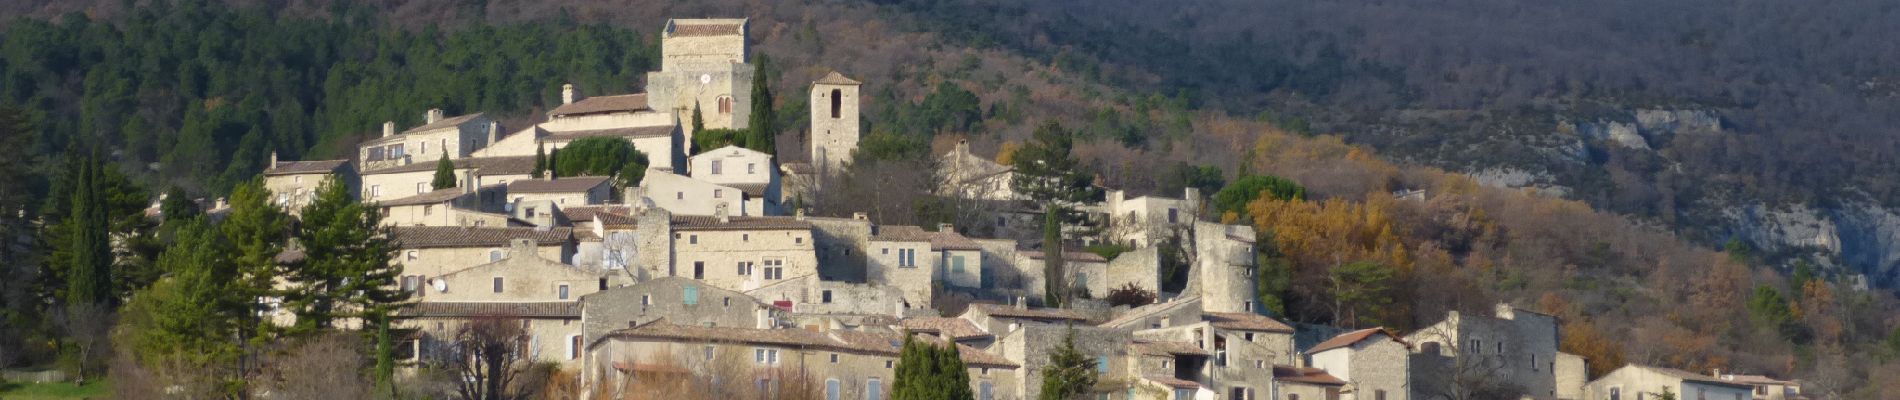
[(208, 92)]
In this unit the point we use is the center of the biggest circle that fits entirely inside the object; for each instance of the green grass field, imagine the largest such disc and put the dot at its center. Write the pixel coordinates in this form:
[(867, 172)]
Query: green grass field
[(55, 391)]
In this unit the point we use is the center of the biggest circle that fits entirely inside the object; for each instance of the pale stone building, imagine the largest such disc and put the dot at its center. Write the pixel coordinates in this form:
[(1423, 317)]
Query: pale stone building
[(811, 296), (966, 175), (429, 251), (1143, 221), (1372, 362), (1029, 344), (1572, 373), (1523, 342), (740, 253), (1640, 382), (1304, 383), (1764, 387), (450, 207), (563, 192), (457, 137), (840, 364), (293, 184), (409, 180), (741, 168), (1087, 272), (676, 300), (1223, 267), (543, 294), (901, 257), (628, 116), (703, 64), (835, 123), (684, 195)]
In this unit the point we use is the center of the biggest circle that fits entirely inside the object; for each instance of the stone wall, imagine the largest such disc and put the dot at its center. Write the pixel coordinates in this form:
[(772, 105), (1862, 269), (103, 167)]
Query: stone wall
[(841, 247), (1029, 345), (1140, 267), (918, 281), (834, 140), (715, 256), (626, 306), (436, 261)]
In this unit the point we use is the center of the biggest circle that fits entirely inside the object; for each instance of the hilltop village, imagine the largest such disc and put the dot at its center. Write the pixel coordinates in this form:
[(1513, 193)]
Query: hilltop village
[(709, 266)]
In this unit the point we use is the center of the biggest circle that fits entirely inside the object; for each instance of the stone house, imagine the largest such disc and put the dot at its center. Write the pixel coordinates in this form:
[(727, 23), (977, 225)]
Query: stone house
[(449, 207), (414, 179), (739, 253), (1029, 345), (684, 195), (703, 64), (1641, 382), (543, 293), (1242, 349), (569, 191), (1521, 344), (677, 300), (1572, 373), (457, 137), (429, 251), (966, 175), (1765, 388), (1371, 361), (748, 170), (293, 184), (1301, 383), (1143, 221), (839, 364), (841, 246), (957, 330), (834, 123), (627, 116), (1000, 319), (1166, 370), (1140, 268), (1088, 272), (902, 257), (811, 295)]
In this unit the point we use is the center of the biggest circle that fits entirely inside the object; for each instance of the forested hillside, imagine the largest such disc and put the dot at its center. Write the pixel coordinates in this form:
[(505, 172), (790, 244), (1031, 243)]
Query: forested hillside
[(196, 95)]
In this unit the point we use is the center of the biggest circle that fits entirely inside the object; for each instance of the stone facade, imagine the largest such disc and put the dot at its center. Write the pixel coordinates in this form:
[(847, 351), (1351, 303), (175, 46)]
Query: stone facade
[(434, 260), (810, 295), (1223, 267), (1145, 220), (683, 195), (1572, 373), (703, 64), (1523, 342), (1637, 382), (293, 184), (1140, 267), (1029, 345), (748, 170), (676, 300), (742, 254), (1371, 361), (835, 123), (966, 175), (457, 137), (903, 262)]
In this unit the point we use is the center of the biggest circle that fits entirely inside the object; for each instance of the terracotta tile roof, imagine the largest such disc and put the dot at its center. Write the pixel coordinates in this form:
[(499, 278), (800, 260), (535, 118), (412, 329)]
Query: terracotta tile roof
[(1314, 376), (710, 223), (1007, 311), (882, 344), (754, 190), (549, 309), (1172, 381), (1757, 380), (1160, 348), (953, 328), (1081, 256), (1691, 376), (556, 185), (412, 237), (443, 123), (617, 220), (900, 233), (587, 213), (630, 133), (951, 240), (586, 235), (684, 29), (518, 165), (1151, 310), (434, 197), (305, 167), (1245, 322), (604, 104), (835, 78), (1350, 338)]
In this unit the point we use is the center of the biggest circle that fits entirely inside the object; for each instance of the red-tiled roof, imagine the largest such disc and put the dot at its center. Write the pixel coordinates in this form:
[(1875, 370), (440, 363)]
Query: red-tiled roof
[(900, 233), (835, 78), (1314, 376), (433, 197), (681, 29), (305, 167), (518, 165), (710, 223), (556, 185), (587, 213), (882, 344), (444, 123), (1161, 348), (604, 104), (546, 309), (411, 237), (630, 133), (1172, 382), (1007, 311), (1245, 322), (1350, 338)]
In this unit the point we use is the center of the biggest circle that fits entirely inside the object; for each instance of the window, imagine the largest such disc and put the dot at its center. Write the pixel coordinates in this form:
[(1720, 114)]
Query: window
[(1616, 393), (1188, 394), (1429, 348), (956, 264), (709, 353), (1101, 364), (530, 212), (1174, 216), (699, 270), (563, 291), (1533, 362), (692, 239), (603, 283), (1378, 394), (831, 389), (837, 102), (774, 268), (422, 187), (986, 391), (765, 356), (297, 179), (494, 255), (1237, 393), (745, 268), (1477, 347), (1248, 336), (751, 168), (574, 347), (725, 105), (1500, 347), (646, 299), (497, 284), (873, 389), (409, 283), (424, 149), (906, 257), (1260, 364), (412, 255), (716, 167), (825, 297), (745, 237), (679, 195), (834, 358), (888, 364), (690, 295), (717, 193)]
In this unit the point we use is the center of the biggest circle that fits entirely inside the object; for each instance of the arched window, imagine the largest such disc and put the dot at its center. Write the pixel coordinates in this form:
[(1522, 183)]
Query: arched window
[(837, 101), (725, 105)]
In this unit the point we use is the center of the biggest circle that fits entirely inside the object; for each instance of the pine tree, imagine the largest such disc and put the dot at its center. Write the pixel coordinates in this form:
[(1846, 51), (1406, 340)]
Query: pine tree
[(257, 231), (190, 317), (540, 161), (444, 173), (760, 124), (1069, 373), (346, 271), (178, 206), (1056, 181)]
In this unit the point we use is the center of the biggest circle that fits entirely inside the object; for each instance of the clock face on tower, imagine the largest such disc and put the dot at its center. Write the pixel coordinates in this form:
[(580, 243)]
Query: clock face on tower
[(705, 78)]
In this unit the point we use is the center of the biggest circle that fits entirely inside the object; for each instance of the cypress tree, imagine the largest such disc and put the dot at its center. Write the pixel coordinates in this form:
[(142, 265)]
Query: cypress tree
[(540, 161), (554, 158), (699, 121), (763, 134), (1055, 283), (444, 173), (89, 274)]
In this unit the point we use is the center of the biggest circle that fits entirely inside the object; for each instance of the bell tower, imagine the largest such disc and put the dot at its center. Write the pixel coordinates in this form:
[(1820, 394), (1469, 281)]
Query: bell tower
[(834, 122)]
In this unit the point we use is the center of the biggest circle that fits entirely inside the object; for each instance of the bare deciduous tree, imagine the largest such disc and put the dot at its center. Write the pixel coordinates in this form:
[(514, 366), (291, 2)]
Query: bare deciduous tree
[(329, 366), (88, 327), (487, 357), (1460, 373)]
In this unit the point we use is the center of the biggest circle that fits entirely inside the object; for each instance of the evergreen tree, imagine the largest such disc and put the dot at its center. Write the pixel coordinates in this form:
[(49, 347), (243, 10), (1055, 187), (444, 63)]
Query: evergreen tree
[(1770, 309), (554, 157), (178, 206), (89, 276), (1056, 181), (699, 121), (927, 371), (189, 318), (540, 161), (257, 231), (1234, 198), (444, 173), (602, 156), (760, 124), (346, 270), (1069, 374)]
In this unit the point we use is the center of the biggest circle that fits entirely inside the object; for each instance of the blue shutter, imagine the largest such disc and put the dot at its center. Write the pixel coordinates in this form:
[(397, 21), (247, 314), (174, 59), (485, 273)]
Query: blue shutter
[(691, 295)]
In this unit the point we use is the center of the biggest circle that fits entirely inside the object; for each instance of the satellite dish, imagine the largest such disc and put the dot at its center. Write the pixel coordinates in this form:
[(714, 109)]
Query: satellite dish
[(440, 285)]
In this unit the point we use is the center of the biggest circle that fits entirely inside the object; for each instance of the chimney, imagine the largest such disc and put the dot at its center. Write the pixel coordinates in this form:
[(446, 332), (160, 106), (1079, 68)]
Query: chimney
[(494, 132), (963, 146), (946, 227), (798, 215), (434, 114), (860, 216), (389, 128), (273, 160), (1022, 303), (719, 211), (567, 93), (222, 203)]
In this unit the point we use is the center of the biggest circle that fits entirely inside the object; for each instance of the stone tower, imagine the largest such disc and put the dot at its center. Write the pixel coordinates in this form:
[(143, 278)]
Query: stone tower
[(834, 122), (703, 63), (1223, 257)]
